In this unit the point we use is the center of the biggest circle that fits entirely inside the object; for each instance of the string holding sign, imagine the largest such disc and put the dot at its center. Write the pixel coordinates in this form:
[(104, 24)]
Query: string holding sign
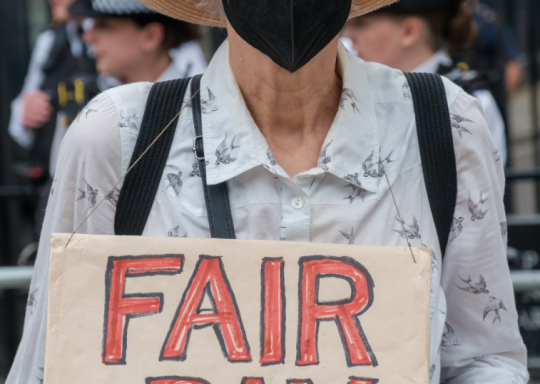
[(397, 208)]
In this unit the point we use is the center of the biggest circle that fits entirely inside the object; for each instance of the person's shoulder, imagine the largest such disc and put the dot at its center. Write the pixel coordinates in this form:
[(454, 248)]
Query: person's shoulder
[(112, 111), (130, 96), (385, 83), (95, 124), (453, 91), (389, 85), (102, 127)]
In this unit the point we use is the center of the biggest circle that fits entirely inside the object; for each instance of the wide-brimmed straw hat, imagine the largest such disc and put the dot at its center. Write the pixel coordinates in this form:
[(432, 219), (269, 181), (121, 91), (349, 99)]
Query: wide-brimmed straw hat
[(191, 11)]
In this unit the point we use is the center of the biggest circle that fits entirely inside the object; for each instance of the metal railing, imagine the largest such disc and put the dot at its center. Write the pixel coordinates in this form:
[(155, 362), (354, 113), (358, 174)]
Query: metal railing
[(20, 277), (15, 277)]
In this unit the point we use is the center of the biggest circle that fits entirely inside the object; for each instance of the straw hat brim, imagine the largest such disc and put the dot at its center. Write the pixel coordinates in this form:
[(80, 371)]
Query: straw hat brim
[(188, 10)]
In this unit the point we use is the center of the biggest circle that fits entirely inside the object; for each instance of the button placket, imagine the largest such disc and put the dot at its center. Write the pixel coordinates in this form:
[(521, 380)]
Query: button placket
[(296, 213)]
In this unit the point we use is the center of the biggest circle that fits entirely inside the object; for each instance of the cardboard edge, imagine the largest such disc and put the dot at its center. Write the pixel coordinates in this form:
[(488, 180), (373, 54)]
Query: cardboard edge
[(57, 241)]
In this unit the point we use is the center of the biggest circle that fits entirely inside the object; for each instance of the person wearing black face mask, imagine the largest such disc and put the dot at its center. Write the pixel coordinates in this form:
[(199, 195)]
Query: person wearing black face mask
[(288, 137)]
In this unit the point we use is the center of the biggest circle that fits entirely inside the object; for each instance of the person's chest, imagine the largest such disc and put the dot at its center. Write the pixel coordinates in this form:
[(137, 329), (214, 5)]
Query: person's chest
[(315, 206)]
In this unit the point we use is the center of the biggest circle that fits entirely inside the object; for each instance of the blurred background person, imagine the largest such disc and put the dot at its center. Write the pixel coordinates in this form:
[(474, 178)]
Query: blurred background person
[(131, 43), (420, 36), (496, 50), (48, 102), (59, 55), (125, 42)]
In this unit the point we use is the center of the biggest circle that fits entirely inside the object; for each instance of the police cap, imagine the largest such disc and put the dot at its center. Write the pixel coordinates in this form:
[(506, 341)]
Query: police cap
[(108, 8)]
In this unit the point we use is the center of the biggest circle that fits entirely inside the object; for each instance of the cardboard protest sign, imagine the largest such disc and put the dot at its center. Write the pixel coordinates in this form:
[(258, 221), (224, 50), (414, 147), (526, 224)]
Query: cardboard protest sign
[(196, 311)]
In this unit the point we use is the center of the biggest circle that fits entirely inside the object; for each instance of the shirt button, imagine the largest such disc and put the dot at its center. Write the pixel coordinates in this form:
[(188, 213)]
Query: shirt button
[(298, 202)]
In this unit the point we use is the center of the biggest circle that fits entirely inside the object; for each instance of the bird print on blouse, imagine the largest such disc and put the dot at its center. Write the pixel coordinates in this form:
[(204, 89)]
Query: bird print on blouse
[(456, 229), (476, 208), (125, 120), (186, 103), (348, 95), (456, 123), (504, 228), (484, 357), (494, 305), (42, 378), (112, 197), (515, 380), (87, 110), (357, 190), (197, 168), (210, 105), (271, 157), (32, 301), (348, 236), (324, 159), (175, 232), (224, 152), (412, 233), (432, 371), (449, 338), (472, 287), (175, 182), (52, 187), (496, 156), (375, 168), (407, 96), (90, 195)]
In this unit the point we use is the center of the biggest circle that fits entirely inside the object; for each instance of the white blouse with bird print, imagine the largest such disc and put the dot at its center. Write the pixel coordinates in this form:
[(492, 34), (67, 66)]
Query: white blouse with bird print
[(344, 200)]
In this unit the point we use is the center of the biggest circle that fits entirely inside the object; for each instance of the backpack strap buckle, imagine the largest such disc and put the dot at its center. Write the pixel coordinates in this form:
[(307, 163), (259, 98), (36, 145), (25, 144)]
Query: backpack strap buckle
[(198, 155)]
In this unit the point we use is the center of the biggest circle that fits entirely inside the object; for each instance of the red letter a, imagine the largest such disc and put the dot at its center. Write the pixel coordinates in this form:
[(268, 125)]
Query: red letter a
[(357, 350), (209, 277), (273, 311), (120, 308)]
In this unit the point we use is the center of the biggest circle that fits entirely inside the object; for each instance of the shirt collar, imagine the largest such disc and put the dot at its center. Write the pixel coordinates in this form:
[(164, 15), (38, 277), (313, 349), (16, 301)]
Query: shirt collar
[(233, 144), (172, 72), (105, 81), (433, 63)]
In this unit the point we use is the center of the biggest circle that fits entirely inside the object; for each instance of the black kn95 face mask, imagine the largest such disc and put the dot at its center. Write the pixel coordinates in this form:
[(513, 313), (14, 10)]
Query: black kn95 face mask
[(290, 32)]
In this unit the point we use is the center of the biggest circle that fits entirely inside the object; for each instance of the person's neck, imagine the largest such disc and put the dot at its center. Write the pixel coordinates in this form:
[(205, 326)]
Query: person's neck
[(293, 111), (150, 69), (415, 57)]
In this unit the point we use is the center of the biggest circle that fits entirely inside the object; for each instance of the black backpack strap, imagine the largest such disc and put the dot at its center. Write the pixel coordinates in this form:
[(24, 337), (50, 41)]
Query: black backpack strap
[(434, 129), (215, 196), (142, 182)]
